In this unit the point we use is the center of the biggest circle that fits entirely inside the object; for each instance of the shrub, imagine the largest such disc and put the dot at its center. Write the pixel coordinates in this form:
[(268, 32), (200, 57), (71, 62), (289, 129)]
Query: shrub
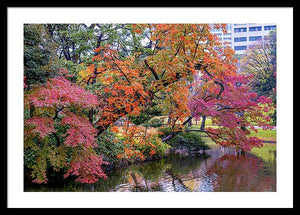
[(141, 143), (109, 148), (155, 123), (191, 140), (165, 131), (145, 115)]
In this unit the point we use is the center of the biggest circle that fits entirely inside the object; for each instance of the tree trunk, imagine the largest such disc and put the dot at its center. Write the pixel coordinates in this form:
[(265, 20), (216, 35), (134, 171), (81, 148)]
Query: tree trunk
[(91, 112), (203, 123), (169, 137), (134, 179), (169, 119), (190, 123)]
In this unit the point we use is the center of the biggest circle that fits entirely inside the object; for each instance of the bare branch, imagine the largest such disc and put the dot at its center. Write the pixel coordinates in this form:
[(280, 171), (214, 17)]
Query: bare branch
[(152, 70)]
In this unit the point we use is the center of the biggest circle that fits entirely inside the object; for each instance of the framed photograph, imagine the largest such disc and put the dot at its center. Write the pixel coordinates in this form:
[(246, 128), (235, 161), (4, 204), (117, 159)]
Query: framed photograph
[(150, 107)]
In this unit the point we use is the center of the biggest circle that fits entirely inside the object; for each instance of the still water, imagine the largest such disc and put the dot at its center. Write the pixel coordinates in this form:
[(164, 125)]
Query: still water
[(218, 170)]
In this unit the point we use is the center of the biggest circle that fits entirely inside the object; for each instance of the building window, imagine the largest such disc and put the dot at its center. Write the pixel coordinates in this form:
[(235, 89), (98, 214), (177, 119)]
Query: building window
[(240, 39), (237, 48), (270, 27), (236, 30), (216, 30), (255, 28), (255, 38)]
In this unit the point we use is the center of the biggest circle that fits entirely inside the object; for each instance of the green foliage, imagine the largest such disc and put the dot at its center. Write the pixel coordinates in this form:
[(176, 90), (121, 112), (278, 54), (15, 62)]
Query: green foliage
[(155, 123), (274, 117), (40, 59), (42, 155), (146, 115), (165, 131), (73, 40), (191, 140), (140, 119), (29, 158), (108, 148), (160, 146)]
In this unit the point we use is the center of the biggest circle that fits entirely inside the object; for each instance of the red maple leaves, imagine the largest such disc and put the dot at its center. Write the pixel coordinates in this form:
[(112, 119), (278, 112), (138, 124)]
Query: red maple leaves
[(41, 125), (86, 166), (80, 132), (61, 97), (236, 110)]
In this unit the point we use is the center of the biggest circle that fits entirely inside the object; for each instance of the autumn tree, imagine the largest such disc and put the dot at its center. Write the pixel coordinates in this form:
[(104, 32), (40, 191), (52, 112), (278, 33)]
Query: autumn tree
[(164, 73), (58, 132), (234, 108), (155, 68)]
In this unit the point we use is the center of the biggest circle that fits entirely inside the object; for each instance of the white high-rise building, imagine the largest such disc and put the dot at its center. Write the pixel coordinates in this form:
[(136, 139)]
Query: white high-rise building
[(226, 39), (244, 35)]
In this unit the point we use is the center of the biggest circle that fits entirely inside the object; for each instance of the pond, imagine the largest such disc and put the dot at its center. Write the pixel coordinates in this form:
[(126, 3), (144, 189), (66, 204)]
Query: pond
[(217, 170)]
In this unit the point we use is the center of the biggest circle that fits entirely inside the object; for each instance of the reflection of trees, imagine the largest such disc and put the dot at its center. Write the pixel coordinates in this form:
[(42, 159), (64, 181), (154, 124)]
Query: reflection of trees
[(146, 176), (183, 165), (241, 173), (138, 177), (227, 173), (175, 178), (181, 171), (115, 178), (153, 170)]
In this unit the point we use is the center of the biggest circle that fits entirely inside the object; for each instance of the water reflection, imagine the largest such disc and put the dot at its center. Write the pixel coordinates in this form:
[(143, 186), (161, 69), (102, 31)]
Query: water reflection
[(218, 170)]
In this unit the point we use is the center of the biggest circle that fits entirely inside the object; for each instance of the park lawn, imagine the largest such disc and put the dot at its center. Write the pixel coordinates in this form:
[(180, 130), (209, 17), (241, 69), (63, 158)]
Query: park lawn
[(267, 152), (208, 122), (208, 141), (269, 135)]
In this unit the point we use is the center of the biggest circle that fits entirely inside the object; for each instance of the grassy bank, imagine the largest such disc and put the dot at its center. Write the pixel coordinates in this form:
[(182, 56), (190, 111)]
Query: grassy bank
[(267, 152), (269, 135)]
